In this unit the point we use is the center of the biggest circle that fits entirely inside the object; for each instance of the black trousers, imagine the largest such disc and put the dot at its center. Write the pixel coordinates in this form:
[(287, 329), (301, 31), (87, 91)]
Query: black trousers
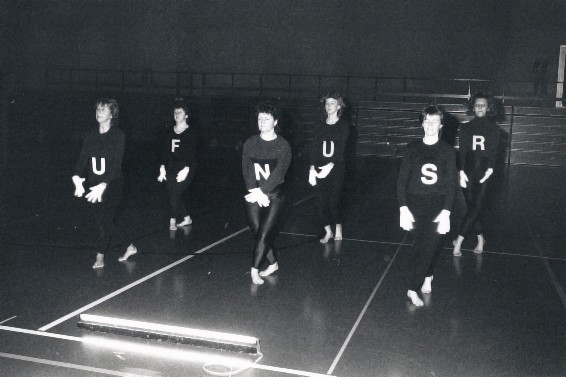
[(475, 194), (177, 208), (328, 194), (104, 214), (263, 223), (426, 239)]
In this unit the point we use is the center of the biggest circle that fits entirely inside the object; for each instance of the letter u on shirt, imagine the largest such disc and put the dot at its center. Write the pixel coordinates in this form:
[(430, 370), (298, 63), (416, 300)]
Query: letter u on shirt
[(95, 168)]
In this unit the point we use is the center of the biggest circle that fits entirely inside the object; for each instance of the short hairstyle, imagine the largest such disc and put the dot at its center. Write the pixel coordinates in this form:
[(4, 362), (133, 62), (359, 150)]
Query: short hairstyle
[(338, 98), (112, 105), (267, 107), (180, 103), (432, 110), (491, 104)]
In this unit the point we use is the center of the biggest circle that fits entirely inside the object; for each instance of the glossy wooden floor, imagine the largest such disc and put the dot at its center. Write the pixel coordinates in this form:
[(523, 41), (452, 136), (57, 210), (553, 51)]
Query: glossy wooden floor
[(338, 309)]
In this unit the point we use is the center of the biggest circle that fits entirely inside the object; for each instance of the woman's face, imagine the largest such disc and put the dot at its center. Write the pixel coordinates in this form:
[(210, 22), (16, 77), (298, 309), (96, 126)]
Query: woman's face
[(179, 115), (481, 107), (103, 114), (432, 125), (331, 106), (265, 122)]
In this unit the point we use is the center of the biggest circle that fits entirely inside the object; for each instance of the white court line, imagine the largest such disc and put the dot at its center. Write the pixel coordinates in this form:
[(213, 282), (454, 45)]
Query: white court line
[(67, 365), (331, 369), (302, 201), (137, 282), (444, 248), (6, 320), (84, 340)]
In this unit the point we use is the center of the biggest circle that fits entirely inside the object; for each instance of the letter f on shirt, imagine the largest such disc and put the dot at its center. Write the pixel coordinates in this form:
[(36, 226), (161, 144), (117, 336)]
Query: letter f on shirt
[(174, 144)]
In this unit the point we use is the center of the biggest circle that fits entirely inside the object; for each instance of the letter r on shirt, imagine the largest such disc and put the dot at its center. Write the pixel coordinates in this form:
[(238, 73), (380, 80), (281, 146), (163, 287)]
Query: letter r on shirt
[(478, 140), (259, 171)]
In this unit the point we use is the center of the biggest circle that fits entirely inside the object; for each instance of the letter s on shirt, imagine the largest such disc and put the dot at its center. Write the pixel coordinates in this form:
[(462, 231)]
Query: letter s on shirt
[(429, 174)]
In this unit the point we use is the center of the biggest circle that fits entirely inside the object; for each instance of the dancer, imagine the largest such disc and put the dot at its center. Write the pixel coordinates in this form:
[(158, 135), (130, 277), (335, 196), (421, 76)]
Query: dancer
[(101, 155), (478, 141), (425, 188), (265, 160), (326, 172), (178, 163)]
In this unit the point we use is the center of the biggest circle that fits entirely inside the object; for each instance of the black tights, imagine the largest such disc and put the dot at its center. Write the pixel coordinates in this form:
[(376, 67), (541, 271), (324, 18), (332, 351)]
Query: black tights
[(175, 190), (426, 239), (104, 213), (263, 224), (475, 194), (328, 193)]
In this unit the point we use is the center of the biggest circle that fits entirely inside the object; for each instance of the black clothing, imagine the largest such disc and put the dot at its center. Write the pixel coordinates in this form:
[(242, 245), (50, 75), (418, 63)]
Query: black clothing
[(328, 146), (264, 165), (103, 154)]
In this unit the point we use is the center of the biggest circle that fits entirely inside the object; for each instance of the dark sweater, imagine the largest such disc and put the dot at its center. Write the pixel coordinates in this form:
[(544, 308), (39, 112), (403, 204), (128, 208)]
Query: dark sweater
[(265, 163), (178, 150), (428, 170), (335, 136), (478, 140), (106, 151)]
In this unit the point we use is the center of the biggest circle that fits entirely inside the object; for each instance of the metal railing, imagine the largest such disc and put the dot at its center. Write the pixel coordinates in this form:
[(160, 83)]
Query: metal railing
[(536, 92)]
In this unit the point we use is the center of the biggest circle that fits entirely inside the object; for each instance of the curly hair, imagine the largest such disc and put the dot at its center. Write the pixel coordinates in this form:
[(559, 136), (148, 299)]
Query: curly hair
[(338, 98), (432, 110), (180, 103), (267, 107), (491, 104)]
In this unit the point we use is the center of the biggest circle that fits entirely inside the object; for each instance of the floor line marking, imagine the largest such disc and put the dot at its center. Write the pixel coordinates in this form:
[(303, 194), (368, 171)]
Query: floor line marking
[(82, 340), (6, 320), (67, 365), (444, 248), (362, 313), (137, 282), (302, 201)]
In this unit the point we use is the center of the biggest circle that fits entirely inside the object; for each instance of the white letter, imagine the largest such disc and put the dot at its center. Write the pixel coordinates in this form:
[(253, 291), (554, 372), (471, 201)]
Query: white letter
[(430, 176), (478, 140), (174, 144), (324, 149), (259, 170), (102, 164)]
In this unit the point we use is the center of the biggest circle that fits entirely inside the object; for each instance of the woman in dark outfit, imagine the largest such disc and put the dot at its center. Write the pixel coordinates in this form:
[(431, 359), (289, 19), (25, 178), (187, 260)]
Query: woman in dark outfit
[(478, 140), (101, 155), (178, 163), (326, 172), (425, 189), (265, 160)]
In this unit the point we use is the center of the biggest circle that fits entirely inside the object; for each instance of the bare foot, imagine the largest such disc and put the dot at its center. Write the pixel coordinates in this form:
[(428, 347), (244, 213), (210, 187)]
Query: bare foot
[(415, 298), (269, 270), (479, 246), (458, 246), (255, 277), (99, 263), (327, 237), (338, 236), (186, 221), (427, 285), (131, 250)]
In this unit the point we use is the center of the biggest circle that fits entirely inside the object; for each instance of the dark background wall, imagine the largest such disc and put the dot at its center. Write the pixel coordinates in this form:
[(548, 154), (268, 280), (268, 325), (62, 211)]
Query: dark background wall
[(419, 38)]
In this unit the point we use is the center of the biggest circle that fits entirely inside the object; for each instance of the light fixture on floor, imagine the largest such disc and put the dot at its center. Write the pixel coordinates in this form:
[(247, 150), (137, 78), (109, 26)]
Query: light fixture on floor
[(173, 334)]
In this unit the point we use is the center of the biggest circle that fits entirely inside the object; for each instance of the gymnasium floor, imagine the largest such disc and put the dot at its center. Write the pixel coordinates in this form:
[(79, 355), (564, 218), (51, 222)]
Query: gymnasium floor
[(338, 309)]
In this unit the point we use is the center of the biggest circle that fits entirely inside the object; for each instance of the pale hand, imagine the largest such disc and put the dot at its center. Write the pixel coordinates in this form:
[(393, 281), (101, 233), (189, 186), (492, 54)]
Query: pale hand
[(162, 174), (79, 189), (443, 220), (463, 179), (312, 177), (406, 218), (487, 174), (182, 175), (95, 194)]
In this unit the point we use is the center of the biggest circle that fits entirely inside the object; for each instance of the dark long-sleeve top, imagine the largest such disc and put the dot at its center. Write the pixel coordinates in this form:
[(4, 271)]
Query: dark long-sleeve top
[(329, 143), (478, 140), (102, 154), (265, 163), (178, 150), (428, 170)]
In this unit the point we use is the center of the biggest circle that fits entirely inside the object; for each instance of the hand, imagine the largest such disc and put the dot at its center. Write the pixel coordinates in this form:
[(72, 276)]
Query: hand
[(325, 170), (79, 189), (487, 174), (443, 220), (406, 218), (312, 177), (95, 194), (257, 196), (162, 174), (182, 175), (463, 179)]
